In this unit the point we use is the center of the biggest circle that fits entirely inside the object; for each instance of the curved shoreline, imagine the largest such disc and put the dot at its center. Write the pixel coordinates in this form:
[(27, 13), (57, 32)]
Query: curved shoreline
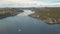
[(48, 15), (6, 12)]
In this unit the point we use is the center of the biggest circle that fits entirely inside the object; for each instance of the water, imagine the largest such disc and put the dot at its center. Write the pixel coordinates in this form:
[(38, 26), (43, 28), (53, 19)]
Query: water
[(24, 24)]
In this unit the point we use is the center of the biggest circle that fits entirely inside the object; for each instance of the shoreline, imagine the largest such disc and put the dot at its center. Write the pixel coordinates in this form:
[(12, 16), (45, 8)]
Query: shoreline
[(7, 12), (47, 20), (47, 15)]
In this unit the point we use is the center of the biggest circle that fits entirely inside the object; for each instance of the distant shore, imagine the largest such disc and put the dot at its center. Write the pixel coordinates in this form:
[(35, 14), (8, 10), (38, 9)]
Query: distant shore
[(49, 15), (6, 12)]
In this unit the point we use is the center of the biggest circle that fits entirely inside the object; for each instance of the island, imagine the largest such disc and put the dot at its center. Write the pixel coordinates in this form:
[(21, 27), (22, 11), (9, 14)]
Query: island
[(49, 15)]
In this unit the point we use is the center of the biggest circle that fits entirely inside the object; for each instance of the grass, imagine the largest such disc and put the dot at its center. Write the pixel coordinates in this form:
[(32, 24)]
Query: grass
[(5, 12), (49, 12)]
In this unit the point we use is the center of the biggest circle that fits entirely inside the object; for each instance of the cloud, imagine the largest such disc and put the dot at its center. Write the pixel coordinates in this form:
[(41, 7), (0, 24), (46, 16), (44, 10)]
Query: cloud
[(25, 3), (21, 3), (53, 4)]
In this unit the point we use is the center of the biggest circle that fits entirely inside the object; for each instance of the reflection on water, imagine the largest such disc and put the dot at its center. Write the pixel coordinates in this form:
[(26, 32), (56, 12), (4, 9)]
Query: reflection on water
[(26, 25), (19, 30), (26, 12)]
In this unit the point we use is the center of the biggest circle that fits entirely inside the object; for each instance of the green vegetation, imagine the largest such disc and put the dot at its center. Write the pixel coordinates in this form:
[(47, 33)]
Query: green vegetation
[(5, 12), (49, 14)]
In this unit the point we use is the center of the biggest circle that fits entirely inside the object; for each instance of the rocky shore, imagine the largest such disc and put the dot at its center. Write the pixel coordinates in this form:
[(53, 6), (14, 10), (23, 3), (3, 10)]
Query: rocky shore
[(48, 15), (6, 12)]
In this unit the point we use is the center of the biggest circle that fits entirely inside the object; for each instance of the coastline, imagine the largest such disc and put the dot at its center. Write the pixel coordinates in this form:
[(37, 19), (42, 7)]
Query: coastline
[(47, 15), (6, 12)]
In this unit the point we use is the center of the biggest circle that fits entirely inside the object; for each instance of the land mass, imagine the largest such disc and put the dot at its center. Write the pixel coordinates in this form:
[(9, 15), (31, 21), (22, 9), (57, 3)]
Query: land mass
[(50, 15), (6, 12)]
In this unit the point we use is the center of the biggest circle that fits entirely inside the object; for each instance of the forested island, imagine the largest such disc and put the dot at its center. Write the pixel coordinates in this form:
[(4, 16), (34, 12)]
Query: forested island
[(50, 15)]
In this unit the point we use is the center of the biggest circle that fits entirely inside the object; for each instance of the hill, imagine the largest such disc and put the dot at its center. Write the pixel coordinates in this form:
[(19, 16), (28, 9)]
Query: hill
[(5, 12), (50, 15)]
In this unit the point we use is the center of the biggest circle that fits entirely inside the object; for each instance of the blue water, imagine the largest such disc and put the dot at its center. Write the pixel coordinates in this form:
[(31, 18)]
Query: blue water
[(26, 25)]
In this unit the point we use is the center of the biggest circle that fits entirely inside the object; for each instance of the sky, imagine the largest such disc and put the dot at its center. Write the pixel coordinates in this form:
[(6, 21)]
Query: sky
[(29, 3), (48, 0)]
